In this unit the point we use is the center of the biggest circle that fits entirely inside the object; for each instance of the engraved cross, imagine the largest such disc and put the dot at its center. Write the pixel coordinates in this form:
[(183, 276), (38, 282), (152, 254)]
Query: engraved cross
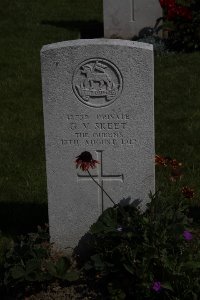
[(132, 10), (100, 177)]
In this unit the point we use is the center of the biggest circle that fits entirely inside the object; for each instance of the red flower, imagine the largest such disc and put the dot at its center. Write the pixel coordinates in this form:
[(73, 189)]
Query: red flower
[(162, 3), (159, 160), (174, 10), (85, 161), (176, 174), (187, 192), (176, 169), (175, 164), (167, 161)]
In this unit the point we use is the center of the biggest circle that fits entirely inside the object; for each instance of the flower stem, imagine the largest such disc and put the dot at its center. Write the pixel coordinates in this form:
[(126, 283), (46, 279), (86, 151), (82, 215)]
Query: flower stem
[(113, 202)]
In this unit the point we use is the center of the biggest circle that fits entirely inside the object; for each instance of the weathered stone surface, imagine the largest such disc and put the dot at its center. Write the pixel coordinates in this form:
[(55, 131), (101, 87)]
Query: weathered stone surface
[(125, 18), (98, 97)]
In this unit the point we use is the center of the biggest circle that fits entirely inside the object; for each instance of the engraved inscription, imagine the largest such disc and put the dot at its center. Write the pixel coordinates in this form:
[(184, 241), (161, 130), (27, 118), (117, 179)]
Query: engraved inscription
[(100, 177), (97, 82), (103, 129)]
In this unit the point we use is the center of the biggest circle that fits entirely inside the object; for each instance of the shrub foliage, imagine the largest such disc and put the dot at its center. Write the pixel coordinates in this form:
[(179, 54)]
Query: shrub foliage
[(150, 255), (182, 21)]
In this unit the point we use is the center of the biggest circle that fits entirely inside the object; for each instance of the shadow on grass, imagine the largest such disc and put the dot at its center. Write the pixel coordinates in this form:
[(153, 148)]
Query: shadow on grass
[(21, 218), (87, 29)]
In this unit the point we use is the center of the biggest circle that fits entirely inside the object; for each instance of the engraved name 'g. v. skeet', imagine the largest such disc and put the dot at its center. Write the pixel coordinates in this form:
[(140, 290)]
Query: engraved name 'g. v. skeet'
[(97, 82)]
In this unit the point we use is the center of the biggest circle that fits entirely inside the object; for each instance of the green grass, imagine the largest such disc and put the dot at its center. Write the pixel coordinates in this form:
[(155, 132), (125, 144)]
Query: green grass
[(25, 26), (177, 114)]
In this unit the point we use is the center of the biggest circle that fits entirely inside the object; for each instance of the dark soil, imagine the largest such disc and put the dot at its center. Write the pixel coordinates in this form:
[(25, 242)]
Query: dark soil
[(56, 292)]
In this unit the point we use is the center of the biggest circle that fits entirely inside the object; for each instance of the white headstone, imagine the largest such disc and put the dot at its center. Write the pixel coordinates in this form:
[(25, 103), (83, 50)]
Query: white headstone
[(125, 18), (98, 97)]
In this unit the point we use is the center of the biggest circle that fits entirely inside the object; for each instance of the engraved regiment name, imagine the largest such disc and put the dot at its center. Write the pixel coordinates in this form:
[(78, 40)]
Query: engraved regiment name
[(97, 82), (104, 129)]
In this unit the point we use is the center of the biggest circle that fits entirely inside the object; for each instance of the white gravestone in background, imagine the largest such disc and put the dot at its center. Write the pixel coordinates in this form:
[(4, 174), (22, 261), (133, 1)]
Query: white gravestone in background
[(98, 97), (125, 18)]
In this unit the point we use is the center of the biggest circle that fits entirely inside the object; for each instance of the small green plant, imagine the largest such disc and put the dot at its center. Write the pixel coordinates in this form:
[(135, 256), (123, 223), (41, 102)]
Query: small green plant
[(150, 255), (32, 261)]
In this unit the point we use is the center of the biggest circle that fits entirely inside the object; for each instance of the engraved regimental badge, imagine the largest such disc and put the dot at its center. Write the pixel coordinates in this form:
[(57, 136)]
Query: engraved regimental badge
[(97, 82)]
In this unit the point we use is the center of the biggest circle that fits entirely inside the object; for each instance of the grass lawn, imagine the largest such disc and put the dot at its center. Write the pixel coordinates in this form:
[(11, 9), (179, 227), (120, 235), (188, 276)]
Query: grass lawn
[(25, 26)]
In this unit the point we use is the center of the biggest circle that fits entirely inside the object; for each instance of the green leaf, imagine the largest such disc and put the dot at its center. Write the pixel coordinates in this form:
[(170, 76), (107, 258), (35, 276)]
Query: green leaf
[(167, 286), (17, 272), (88, 266), (72, 276), (115, 292), (195, 296), (32, 265), (62, 265), (107, 222), (191, 265), (60, 270), (51, 269), (98, 262), (129, 268), (41, 252)]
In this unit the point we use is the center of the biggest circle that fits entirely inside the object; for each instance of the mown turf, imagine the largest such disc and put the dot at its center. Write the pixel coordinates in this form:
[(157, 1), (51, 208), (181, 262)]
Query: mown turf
[(24, 27), (177, 114)]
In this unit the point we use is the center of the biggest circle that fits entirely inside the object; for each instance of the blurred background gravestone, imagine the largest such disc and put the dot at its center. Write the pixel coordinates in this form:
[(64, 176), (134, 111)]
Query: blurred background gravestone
[(126, 18)]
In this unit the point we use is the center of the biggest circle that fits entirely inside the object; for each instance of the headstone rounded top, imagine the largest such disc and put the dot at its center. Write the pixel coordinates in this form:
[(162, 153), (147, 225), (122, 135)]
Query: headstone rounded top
[(102, 41)]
